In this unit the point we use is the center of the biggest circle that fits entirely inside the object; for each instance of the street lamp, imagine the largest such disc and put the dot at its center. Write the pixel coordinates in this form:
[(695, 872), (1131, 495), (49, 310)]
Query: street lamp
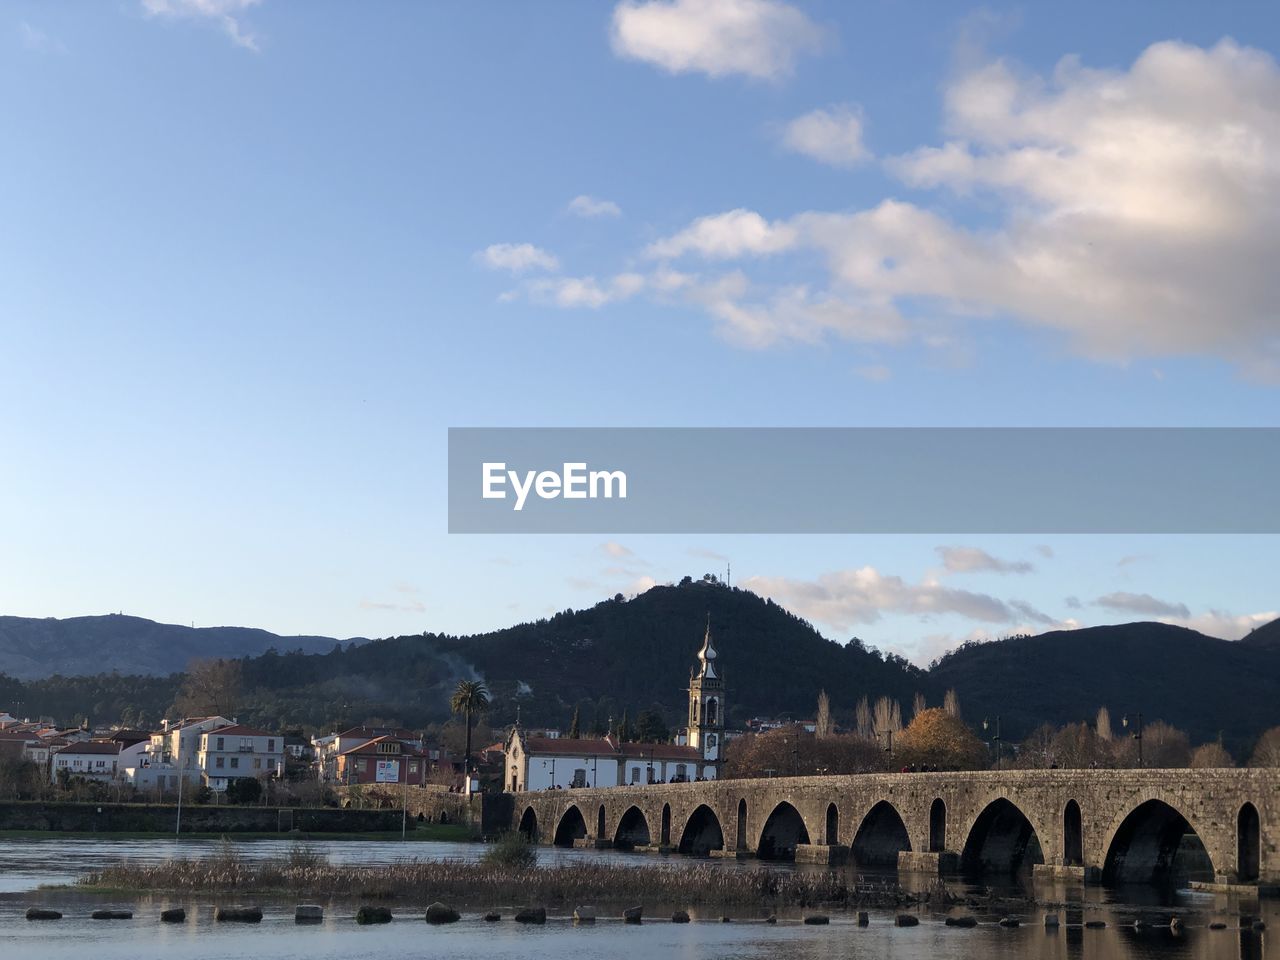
[(1137, 733), (986, 725)]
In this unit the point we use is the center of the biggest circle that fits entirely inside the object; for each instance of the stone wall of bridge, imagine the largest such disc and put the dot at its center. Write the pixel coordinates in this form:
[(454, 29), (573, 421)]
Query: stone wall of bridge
[(1118, 822)]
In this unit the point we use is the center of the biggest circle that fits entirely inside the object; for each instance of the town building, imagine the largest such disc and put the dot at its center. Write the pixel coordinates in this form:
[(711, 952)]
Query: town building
[(547, 763), (90, 760), (383, 759), (328, 748), (234, 751)]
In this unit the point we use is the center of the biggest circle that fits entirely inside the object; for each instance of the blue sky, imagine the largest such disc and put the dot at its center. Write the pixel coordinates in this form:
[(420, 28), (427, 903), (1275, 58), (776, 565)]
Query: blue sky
[(257, 257)]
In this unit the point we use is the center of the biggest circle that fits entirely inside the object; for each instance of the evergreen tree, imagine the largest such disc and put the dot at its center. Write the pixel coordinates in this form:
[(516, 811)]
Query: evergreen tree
[(575, 731)]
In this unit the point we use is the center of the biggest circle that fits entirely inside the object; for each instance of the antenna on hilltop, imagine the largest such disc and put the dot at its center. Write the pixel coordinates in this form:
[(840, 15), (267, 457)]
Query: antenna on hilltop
[(728, 570)]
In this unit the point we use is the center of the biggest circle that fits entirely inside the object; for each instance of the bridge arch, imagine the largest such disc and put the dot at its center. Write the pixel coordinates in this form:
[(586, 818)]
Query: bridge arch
[(1072, 835), (666, 825), (633, 830), (937, 825), (1002, 839), (783, 829), (742, 824), (702, 832), (833, 824), (1156, 843), (572, 826), (529, 824), (1248, 844), (600, 831), (881, 835)]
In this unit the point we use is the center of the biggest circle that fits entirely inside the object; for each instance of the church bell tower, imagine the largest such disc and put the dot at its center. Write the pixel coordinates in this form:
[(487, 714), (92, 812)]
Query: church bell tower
[(706, 703)]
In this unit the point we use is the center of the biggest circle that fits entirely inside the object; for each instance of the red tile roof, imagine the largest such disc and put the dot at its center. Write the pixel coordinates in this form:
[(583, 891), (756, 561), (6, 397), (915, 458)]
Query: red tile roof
[(371, 746), (92, 746), (563, 746)]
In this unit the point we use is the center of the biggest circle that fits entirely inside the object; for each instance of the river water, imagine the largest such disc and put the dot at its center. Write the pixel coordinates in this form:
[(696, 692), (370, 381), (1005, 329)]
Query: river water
[(26, 865)]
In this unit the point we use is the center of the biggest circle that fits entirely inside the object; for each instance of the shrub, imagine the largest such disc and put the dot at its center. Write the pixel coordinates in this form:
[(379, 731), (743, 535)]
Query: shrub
[(513, 850)]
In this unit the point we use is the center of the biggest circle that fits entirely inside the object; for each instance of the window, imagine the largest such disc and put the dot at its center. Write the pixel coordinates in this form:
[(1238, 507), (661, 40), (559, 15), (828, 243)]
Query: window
[(219, 762), (246, 744), (257, 763), (680, 771), (221, 743), (271, 746), (635, 774), (579, 778), (235, 763)]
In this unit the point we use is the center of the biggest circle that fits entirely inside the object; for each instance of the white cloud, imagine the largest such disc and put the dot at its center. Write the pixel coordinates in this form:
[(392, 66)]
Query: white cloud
[(844, 598), (1142, 603), (517, 257), (757, 38), (1138, 203), (590, 207), (973, 560), (726, 236), (616, 550), (585, 291), (833, 136), (224, 13), (1219, 623)]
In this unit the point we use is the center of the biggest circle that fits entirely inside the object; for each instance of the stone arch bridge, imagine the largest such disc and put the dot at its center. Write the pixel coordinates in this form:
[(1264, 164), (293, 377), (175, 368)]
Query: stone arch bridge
[(1218, 826)]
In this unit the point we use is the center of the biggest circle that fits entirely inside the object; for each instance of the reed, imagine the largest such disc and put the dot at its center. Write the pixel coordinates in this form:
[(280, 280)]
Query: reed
[(305, 874)]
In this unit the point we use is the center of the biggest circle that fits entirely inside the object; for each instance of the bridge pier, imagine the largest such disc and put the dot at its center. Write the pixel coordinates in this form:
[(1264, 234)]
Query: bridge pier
[(832, 854), (938, 864)]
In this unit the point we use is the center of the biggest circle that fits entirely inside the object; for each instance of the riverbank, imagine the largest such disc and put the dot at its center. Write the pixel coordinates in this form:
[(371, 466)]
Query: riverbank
[(428, 832)]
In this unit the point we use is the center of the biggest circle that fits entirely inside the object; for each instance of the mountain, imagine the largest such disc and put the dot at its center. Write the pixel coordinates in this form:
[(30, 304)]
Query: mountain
[(1267, 635), (32, 648), (1206, 686), (633, 655)]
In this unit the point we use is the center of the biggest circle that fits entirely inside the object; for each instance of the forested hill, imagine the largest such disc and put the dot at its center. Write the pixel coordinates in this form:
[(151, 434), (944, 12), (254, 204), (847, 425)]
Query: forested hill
[(1206, 686), (1267, 635), (634, 655), (32, 647)]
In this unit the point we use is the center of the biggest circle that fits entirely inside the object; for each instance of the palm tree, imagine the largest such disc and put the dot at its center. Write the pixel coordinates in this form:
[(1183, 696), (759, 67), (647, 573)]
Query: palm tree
[(469, 697)]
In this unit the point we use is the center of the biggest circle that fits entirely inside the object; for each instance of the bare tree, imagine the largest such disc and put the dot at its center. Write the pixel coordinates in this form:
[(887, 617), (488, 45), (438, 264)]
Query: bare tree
[(1102, 726), (210, 688), (951, 703), (866, 728), (918, 705), (887, 716), (823, 727)]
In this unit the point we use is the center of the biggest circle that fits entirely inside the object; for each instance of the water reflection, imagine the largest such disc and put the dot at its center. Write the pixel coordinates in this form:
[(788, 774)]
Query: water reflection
[(25, 864)]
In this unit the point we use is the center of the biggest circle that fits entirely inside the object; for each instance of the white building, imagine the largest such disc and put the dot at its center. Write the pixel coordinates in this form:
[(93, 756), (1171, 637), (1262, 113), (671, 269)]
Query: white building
[(92, 760), (544, 763), (177, 747), (234, 751)]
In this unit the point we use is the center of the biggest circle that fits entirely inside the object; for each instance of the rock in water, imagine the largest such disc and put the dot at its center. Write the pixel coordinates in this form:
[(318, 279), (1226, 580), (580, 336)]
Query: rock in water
[(173, 915), (963, 921), (238, 915), (817, 920), (111, 915), (1010, 922), (308, 913), (864, 918), (583, 914), (633, 914), (532, 915), (40, 913), (680, 916), (439, 913), (906, 920), (1051, 921), (369, 914), (493, 916)]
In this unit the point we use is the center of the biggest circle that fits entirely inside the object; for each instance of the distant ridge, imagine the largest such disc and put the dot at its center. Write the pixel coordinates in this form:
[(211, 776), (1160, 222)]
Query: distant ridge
[(31, 647)]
